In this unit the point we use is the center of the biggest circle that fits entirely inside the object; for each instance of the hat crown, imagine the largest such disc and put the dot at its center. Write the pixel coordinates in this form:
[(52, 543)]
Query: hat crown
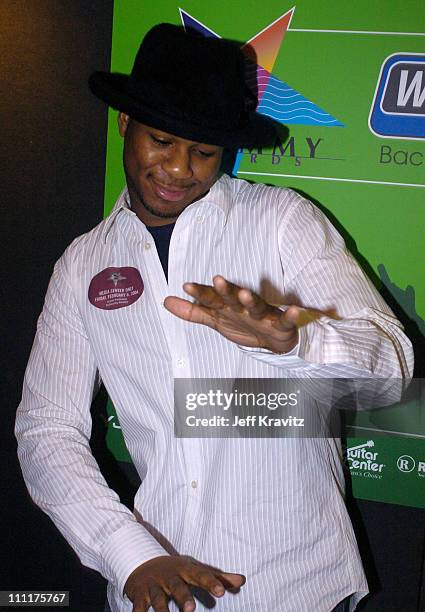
[(186, 75)]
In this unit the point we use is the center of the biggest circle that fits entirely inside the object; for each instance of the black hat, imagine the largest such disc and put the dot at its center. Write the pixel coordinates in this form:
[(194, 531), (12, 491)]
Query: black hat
[(188, 85)]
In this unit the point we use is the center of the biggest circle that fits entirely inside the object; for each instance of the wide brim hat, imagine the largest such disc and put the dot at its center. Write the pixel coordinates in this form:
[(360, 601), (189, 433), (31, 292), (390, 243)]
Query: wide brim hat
[(191, 86)]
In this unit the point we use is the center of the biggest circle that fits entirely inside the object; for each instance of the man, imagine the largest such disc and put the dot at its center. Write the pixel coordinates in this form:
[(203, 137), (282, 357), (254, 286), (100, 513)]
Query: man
[(210, 513)]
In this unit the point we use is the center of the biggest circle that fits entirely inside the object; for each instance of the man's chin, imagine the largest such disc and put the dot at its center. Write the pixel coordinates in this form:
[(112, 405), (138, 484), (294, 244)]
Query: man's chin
[(166, 210)]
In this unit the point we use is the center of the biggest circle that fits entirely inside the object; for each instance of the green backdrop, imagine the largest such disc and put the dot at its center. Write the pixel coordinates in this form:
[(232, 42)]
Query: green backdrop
[(372, 187)]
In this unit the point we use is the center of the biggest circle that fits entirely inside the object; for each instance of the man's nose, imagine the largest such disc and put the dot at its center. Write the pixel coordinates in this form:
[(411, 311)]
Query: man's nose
[(177, 163)]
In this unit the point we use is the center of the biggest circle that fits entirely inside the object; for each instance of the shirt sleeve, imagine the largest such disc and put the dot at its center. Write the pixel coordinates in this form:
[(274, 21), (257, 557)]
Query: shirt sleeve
[(53, 427), (354, 333)]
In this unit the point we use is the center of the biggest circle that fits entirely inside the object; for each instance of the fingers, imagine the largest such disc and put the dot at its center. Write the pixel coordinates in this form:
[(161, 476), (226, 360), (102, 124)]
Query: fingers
[(159, 596), (214, 579), (239, 297), (208, 302), (234, 581), (142, 606), (289, 319), (181, 594), (222, 293), (158, 599), (204, 294), (225, 293), (208, 581), (217, 583), (188, 311), (250, 302), (255, 306), (296, 316), (161, 579)]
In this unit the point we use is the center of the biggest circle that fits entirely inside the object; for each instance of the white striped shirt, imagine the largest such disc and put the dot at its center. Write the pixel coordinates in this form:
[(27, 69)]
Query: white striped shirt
[(272, 509)]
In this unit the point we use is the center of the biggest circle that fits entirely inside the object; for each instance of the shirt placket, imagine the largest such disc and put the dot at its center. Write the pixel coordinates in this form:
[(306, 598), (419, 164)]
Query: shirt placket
[(181, 360), (145, 243)]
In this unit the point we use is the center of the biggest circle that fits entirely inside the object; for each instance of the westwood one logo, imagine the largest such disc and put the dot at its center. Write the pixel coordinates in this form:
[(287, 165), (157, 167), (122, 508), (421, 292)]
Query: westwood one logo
[(398, 107)]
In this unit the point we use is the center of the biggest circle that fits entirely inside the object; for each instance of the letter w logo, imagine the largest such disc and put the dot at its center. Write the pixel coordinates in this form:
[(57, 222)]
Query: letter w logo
[(415, 88), (398, 107)]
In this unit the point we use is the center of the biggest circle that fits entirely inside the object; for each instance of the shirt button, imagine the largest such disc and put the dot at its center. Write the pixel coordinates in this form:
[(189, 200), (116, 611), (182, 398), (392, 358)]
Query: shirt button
[(200, 219), (180, 363), (147, 245), (194, 484)]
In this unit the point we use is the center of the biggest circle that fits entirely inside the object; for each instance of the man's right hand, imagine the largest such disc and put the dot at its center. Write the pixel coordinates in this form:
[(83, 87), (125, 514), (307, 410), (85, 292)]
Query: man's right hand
[(157, 581)]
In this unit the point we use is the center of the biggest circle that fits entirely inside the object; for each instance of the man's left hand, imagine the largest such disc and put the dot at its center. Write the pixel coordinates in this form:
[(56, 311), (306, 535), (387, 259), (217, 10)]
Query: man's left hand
[(240, 315)]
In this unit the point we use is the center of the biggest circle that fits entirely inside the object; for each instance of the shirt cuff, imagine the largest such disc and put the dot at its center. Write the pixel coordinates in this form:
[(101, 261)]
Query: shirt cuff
[(126, 549), (291, 359)]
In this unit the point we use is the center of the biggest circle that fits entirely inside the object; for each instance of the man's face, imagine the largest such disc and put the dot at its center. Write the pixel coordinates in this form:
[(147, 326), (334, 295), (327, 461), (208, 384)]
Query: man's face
[(165, 173)]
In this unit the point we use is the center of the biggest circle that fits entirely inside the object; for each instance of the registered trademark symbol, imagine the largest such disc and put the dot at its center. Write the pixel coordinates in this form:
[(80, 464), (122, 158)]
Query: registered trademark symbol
[(406, 463)]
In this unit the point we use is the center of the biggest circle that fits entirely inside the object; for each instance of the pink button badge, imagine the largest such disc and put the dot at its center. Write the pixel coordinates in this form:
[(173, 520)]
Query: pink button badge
[(115, 288)]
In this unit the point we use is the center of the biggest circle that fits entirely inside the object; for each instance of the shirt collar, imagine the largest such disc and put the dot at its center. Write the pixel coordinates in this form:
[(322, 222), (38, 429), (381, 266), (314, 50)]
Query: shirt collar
[(217, 200), (123, 203), (219, 195)]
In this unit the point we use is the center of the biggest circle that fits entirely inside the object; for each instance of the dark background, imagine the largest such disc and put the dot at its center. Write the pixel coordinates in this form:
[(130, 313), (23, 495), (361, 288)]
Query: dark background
[(52, 169), (53, 134)]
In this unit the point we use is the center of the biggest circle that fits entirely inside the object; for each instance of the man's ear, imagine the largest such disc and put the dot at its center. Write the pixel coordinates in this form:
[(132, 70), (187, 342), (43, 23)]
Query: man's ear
[(123, 121)]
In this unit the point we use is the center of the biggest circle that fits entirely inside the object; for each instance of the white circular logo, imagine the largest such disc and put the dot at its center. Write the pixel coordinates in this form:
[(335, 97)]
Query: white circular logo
[(406, 463)]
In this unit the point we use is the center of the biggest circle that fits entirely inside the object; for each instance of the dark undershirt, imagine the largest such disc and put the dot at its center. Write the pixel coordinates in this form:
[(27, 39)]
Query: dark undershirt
[(162, 236)]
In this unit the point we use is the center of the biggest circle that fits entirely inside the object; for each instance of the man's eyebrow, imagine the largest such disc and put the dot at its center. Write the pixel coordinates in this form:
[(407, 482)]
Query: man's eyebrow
[(162, 135)]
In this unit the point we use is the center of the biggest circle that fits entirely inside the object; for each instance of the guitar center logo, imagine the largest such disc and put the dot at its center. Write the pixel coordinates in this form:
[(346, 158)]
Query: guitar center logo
[(363, 462), (398, 107)]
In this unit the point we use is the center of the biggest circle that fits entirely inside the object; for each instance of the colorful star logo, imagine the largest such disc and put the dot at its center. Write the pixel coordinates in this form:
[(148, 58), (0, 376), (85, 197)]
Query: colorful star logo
[(275, 97)]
